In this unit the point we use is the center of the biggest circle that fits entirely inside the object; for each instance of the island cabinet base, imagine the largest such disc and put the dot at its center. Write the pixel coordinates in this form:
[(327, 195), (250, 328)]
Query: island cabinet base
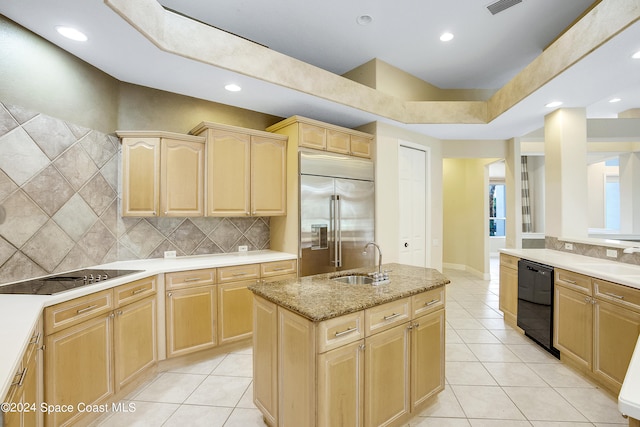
[(375, 367)]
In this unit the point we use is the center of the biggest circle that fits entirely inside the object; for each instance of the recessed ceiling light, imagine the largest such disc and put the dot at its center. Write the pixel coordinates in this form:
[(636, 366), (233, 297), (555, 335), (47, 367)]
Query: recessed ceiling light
[(445, 37), (554, 104), (71, 33), (636, 55), (614, 100), (232, 87), (364, 19)]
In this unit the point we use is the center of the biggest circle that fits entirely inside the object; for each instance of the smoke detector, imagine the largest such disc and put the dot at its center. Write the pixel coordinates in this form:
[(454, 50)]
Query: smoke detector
[(502, 5)]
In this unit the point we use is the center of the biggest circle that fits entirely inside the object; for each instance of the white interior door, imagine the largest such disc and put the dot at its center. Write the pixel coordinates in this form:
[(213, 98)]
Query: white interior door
[(413, 205)]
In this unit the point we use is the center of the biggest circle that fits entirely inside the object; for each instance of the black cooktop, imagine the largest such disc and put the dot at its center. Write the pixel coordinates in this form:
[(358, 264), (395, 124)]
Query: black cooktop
[(55, 284)]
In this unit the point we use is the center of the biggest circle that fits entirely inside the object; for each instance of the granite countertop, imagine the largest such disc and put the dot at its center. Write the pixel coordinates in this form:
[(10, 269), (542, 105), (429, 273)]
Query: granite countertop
[(319, 298)]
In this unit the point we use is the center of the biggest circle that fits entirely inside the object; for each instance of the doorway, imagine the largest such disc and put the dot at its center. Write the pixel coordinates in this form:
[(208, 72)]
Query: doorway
[(413, 161)]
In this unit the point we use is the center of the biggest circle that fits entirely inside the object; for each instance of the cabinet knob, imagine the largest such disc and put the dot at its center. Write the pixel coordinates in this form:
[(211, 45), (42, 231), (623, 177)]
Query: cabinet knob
[(169, 294)]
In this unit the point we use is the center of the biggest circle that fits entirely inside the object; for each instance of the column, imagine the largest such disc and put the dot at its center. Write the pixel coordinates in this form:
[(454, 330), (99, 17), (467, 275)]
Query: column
[(565, 150)]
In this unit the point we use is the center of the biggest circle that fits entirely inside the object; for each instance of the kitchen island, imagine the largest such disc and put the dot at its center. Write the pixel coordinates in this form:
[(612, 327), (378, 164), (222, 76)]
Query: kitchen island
[(328, 353)]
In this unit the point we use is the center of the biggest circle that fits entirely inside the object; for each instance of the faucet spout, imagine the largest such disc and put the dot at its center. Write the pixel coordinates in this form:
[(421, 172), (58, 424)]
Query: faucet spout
[(379, 256)]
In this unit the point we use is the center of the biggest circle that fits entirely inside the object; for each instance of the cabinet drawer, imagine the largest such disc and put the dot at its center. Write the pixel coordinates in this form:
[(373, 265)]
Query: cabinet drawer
[(278, 268), (277, 278), (509, 261), (69, 313), (617, 294), (239, 272), (573, 280), (385, 316), (339, 331), (134, 291), (427, 302), (187, 279)]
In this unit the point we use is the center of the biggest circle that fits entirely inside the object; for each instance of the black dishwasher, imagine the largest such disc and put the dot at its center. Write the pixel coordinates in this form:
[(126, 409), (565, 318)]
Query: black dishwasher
[(535, 303)]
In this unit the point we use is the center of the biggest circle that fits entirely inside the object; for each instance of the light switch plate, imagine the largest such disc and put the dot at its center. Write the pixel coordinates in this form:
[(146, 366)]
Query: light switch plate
[(612, 253), (243, 248), (568, 246), (169, 254)]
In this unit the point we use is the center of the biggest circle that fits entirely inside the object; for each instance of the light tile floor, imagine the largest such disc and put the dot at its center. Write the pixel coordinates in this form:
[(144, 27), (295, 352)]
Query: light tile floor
[(494, 377)]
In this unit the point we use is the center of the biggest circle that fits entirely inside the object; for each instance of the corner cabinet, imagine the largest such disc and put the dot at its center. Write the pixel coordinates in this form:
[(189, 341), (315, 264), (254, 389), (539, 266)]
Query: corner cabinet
[(162, 174), (246, 171), (97, 344)]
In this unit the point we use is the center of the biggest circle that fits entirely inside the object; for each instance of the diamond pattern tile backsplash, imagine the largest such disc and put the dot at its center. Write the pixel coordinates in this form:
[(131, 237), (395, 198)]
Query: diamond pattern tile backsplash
[(59, 195)]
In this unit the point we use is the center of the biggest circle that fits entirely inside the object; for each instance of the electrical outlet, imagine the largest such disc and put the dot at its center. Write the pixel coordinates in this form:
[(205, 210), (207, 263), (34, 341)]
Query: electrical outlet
[(169, 254), (568, 246), (243, 248), (612, 253)]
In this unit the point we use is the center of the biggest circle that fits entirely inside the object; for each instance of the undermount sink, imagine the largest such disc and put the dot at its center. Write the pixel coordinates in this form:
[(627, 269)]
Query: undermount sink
[(354, 280)]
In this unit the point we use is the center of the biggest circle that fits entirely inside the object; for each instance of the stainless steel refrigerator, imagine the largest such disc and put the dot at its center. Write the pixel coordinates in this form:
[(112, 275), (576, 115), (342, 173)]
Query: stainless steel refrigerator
[(336, 212)]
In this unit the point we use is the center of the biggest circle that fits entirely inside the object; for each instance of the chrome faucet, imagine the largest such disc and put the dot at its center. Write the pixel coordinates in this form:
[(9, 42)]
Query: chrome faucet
[(364, 252)]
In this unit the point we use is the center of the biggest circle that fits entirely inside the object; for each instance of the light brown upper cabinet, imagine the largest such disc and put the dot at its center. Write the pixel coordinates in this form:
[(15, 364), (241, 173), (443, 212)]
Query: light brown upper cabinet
[(162, 174), (246, 171), (327, 137)]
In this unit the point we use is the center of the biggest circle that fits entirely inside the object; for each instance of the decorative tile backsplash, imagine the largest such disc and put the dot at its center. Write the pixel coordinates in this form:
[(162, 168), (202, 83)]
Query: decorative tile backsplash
[(59, 194)]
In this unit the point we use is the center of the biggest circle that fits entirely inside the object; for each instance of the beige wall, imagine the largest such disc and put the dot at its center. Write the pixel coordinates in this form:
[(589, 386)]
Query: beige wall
[(45, 78), (388, 141), (393, 81), (38, 75), (465, 206)]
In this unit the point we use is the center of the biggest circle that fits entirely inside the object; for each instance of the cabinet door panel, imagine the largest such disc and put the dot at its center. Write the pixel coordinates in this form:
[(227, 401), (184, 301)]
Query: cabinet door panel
[(296, 370), (615, 335), (228, 155), (338, 142), (387, 376), (134, 340), (140, 176), (427, 363), (341, 386), (312, 136), (573, 325), (78, 367), (265, 360), (191, 320), (509, 293), (182, 178), (235, 311), (360, 146), (268, 176)]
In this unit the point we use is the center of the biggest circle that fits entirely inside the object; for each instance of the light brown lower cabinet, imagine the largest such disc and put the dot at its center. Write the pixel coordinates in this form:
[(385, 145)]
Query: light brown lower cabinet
[(191, 320), (573, 325), (24, 394), (235, 311), (508, 303), (95, 345), (596, 326), (329, 373)]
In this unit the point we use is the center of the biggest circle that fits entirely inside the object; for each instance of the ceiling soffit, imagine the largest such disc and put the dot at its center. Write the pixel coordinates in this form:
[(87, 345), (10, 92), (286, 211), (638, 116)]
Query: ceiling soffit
[(190, 39)]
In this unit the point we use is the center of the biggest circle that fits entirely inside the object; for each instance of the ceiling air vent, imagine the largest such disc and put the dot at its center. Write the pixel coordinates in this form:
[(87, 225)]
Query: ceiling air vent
[(501, 5)]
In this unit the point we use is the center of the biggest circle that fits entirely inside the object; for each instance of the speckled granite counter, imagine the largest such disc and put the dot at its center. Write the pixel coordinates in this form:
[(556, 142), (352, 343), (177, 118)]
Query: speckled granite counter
[(319, 298)]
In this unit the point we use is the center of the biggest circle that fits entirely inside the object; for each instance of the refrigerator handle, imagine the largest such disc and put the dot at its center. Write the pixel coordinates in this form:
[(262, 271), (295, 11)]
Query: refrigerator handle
[(339, 233), (333, 220)]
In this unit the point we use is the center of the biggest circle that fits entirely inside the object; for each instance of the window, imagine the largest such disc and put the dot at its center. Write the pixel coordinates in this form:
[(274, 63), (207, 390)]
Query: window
[(497, 210)]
